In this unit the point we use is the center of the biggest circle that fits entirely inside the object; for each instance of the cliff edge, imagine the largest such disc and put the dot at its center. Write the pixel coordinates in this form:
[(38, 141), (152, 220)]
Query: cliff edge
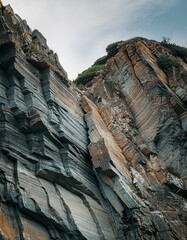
[(106, 162)]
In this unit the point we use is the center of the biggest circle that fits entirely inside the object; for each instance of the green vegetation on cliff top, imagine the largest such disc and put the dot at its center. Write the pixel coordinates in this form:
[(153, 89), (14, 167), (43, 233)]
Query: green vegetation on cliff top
[(88, 74), (177, 50), (165, 61)]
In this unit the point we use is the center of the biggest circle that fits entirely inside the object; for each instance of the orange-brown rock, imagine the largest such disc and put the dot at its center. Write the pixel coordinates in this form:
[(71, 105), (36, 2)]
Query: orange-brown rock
[(105, 163), (144, 110)]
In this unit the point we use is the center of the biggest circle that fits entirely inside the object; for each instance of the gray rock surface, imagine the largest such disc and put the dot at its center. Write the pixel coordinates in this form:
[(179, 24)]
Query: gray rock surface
[(109, 164), (48, 186)]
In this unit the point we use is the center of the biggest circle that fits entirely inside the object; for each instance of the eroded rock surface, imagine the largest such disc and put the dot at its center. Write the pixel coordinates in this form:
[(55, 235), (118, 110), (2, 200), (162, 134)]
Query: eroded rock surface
[(48, 188), (106, 163), (136, 116)]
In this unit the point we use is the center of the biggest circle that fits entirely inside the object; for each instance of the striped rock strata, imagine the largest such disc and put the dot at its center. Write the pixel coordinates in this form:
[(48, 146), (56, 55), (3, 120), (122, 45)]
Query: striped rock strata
[(48, 188), (114, 168), (136, 118)]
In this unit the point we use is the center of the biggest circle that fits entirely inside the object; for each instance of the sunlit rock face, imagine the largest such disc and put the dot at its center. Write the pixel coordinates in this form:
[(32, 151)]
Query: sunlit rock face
[(105, 163), (136, 118)]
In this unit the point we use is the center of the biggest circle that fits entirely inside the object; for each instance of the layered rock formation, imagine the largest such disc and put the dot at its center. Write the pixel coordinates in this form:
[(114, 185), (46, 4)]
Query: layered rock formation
[(108, 162), (136, 121), (48, 187)]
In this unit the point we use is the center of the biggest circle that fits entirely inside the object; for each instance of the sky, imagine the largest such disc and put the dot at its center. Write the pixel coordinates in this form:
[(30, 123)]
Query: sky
[(80, 30)]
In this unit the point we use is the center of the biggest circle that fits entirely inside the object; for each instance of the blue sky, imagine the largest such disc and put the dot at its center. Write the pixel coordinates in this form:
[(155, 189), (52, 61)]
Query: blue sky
[(80, 30)]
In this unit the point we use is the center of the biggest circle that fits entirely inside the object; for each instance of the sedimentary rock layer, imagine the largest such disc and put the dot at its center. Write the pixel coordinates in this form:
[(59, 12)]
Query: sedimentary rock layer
[(48, 187), (106, 163), (135, 114)]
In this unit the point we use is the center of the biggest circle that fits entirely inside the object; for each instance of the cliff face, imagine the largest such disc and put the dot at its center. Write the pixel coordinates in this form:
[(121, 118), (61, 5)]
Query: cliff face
[(108, 162), (136, 117)]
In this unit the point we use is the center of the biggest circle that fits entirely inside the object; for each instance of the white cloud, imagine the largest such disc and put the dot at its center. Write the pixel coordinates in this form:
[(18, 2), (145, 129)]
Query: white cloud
[(79, 30)]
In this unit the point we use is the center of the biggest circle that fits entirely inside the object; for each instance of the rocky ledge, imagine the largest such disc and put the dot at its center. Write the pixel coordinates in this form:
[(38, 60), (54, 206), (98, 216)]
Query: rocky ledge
[(106, 162)]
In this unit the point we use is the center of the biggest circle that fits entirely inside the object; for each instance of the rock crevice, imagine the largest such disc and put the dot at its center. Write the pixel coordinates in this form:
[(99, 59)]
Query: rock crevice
[(105, 163)]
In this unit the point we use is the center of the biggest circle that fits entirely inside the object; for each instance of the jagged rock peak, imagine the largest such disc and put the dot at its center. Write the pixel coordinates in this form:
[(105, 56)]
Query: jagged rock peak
[(33, 44)]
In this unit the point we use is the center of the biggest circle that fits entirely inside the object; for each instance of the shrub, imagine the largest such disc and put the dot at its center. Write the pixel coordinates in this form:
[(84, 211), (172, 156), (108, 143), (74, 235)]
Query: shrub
[(101, 60), (87, 75), (165, 62), (112, 49), (176, 49)]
